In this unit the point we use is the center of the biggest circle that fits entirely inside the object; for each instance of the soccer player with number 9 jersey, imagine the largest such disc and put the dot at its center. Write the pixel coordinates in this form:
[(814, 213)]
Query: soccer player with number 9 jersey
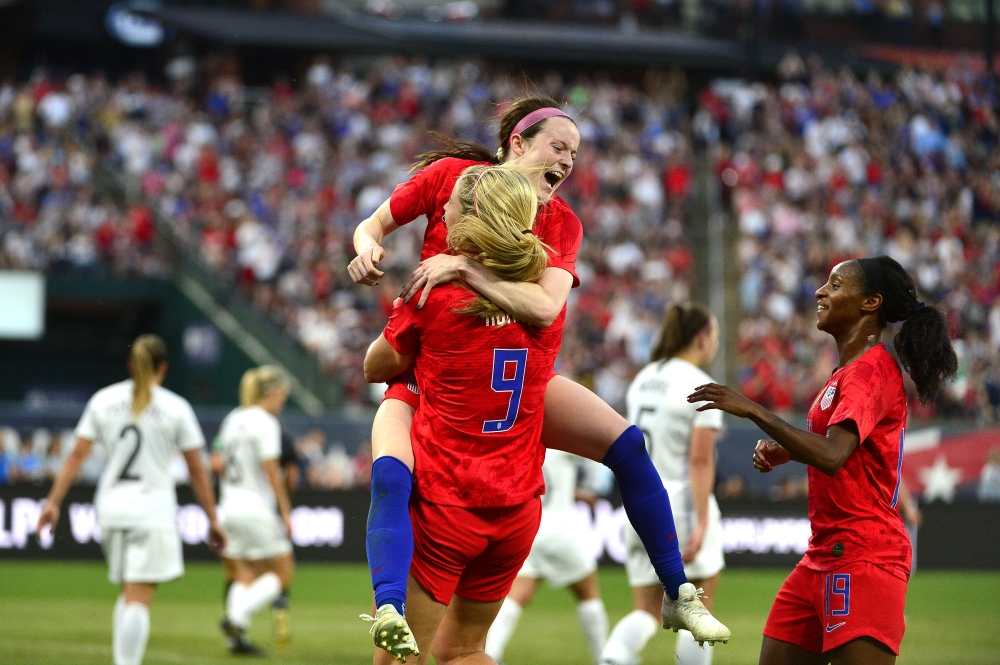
[(844, 601), (477, 432)]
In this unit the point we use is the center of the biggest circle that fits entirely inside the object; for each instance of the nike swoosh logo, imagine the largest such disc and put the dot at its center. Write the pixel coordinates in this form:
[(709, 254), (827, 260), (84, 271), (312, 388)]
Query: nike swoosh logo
[(835, 626), (375, 570)]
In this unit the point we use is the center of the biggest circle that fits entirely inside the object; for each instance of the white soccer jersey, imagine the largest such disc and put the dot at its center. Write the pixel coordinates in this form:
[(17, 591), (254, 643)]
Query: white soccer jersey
[(249, 437), (136, 489), (657, 405)]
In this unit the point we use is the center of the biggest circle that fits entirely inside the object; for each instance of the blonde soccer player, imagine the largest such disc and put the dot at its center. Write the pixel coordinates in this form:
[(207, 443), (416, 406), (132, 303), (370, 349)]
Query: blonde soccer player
[(255, 507), (559, 554), (681, 443), (141, 425)]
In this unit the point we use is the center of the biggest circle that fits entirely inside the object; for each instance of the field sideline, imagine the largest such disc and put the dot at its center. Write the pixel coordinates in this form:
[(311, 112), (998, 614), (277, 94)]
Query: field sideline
[(56, 613)]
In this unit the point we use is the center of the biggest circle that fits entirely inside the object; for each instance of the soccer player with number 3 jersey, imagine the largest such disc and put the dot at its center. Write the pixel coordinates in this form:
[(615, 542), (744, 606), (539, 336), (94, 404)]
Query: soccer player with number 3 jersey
[(141, 426), (844, 602)]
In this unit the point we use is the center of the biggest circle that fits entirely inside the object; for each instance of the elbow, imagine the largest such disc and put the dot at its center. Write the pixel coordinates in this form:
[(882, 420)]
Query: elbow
[(831, 466), (371, 373), (545, 315)]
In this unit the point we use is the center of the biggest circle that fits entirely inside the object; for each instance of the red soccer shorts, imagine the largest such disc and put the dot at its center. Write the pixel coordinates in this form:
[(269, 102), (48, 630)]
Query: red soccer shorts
[(404, 388), (473, 552), (820, 611)]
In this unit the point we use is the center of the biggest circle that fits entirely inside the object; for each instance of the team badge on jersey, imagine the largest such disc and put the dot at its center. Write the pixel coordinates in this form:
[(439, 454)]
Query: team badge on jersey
[(827, 400)]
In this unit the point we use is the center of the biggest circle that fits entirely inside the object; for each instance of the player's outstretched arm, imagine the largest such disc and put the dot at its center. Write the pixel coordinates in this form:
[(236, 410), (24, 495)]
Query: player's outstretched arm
[(535, 303), (827, 453), (368, 237), (67, 474), (202, 488), (382, 362)]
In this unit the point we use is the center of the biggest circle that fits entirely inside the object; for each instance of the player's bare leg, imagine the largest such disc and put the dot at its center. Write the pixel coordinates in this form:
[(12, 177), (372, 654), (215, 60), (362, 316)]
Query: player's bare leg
[(391, 431), (862, 651), (578, 421), (131, 622), (778, 652), (461, 639), (425, 616)]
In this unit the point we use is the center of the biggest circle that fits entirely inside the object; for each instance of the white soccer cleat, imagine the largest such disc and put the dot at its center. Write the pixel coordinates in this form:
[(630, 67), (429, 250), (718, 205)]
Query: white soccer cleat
[(391, 633), (689, 613)]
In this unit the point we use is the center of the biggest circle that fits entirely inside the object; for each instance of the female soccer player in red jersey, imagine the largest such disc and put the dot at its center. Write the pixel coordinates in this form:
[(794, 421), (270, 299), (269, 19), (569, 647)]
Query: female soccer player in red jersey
[(843, 603), (477, 432), (540, 140)]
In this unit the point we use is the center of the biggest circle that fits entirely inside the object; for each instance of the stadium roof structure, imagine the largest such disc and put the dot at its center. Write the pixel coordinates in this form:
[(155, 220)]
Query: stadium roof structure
[(495, 38)]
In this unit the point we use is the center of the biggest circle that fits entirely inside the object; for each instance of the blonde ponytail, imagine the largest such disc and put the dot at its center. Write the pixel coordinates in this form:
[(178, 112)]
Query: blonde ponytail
[(495, 228), (260, 382), (147, 355)]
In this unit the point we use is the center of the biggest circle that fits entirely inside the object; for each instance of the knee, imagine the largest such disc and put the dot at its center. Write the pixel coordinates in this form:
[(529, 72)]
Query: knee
[(629, 443)]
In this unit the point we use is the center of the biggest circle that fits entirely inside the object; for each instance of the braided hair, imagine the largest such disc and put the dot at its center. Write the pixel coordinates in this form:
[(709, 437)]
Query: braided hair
[(922, 343)]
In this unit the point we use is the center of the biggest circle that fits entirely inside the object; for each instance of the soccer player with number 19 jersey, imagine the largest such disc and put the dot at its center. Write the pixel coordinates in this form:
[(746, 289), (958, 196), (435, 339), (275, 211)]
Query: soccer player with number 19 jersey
[(844, 601)]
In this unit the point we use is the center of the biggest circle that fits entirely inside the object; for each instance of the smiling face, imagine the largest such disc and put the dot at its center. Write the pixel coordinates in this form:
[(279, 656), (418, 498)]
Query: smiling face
[(841, 302), (547, 158)]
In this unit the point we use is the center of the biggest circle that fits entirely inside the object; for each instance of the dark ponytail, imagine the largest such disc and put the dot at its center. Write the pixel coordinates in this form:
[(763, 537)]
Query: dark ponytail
[(480, 153), (922, 343), (681, 324)]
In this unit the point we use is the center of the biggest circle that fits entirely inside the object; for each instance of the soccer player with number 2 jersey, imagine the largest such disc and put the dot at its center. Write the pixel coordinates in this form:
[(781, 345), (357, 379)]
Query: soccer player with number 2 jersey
[(844, 601), (141, 426)]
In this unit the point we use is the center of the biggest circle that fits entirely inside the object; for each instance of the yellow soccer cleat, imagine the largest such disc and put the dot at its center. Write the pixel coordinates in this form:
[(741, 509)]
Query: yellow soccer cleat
[(390, 632), (689, 613), (281, 623)]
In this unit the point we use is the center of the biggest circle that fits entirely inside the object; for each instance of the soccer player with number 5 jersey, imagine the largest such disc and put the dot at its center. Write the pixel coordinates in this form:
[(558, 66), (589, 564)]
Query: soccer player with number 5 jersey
[(844, 602)]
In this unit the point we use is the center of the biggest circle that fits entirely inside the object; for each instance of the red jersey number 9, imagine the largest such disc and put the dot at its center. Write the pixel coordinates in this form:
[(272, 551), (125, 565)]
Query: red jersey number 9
[(507, 362)]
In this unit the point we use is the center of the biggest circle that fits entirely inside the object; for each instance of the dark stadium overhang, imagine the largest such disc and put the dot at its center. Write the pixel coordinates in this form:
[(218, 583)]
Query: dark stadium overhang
[(494, 39)]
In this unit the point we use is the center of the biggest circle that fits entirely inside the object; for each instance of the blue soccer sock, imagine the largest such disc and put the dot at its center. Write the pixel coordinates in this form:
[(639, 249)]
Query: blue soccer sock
[(647, 505), (389, 542)]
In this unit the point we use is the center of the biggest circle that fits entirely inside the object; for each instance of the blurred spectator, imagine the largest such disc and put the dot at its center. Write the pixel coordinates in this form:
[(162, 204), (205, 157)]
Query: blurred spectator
[(733, 487), (363, 465), (54, 458), (27, 466), (989, 481), (791, 488)]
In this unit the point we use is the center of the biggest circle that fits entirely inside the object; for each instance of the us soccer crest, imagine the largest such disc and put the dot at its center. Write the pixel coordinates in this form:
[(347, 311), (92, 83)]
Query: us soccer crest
[(827, 400)]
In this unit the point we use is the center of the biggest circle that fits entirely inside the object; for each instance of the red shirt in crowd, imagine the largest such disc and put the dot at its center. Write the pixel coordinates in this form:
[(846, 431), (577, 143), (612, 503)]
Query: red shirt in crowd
[(853, 513), (477, 434)]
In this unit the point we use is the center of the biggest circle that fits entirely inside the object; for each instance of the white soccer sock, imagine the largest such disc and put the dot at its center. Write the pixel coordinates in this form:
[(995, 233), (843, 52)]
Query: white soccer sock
[(251, 598), (131, 633), (687, 651), (594, 619), (629, 637), (117, 616), (502, 629), (235, 602)]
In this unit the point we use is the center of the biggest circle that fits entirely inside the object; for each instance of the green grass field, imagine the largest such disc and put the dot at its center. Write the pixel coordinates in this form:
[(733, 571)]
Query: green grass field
[(57, 613)]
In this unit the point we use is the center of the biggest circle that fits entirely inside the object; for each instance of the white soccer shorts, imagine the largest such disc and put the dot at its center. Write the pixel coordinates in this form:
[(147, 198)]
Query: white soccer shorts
[(255, 536), (710, 558), (558, 556), (149, 556)]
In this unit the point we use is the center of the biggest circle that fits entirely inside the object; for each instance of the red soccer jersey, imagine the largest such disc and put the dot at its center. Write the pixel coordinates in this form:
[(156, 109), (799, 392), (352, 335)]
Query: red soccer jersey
[(477, 433), (853, 513), (430, 188)]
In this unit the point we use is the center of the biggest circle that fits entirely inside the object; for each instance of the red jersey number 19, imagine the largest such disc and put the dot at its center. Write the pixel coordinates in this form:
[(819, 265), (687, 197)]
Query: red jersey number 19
[(505, 363)]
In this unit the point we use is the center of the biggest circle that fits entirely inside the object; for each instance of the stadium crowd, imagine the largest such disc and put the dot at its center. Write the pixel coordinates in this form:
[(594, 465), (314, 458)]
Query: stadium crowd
[(824, 166), (266, 185)]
